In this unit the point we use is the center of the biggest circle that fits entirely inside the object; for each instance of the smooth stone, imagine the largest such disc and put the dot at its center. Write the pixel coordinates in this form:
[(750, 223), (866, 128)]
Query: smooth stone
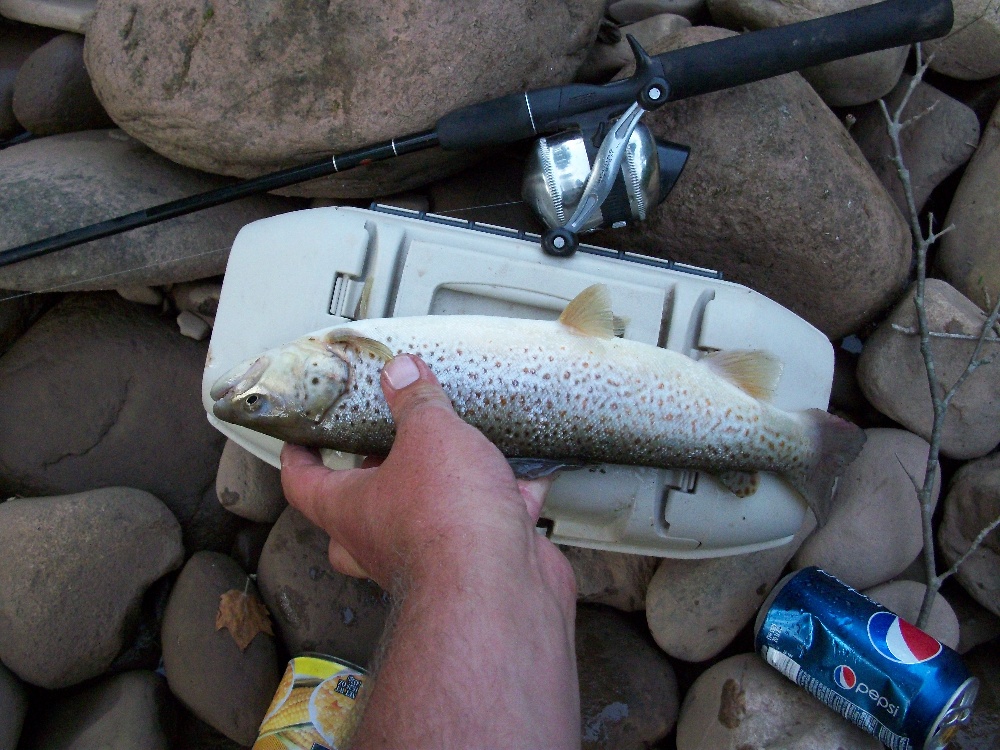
[(695, 608), (983, 730), (841, 83), (73, 571), (192, 326), (875, 530), (778, 197), (935, 145), (65, 15), (248, 545), (227, 688), (249, 487), (238, 93), (625, 12), (143, 295), (972, 504), (13, 707), (52, 91), (314, 607), (198, 297), (606, 60), (17, 42), (977, 624), (972, 50), (64, 182), (628, 690), (128, 711), (100, 392), (969, 255), (616, 579), (17, 312), (905, 598), (893, 377)]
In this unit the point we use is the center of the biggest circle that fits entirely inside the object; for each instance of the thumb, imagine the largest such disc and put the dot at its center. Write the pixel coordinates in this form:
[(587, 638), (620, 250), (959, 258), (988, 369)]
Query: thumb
[(410, 386)]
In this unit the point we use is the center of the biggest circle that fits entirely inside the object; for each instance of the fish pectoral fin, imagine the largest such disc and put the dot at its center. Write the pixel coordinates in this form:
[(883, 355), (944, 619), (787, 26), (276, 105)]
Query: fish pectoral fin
[(740, 483), (753, 371), (349, 338), (536, 468), (589, 313)]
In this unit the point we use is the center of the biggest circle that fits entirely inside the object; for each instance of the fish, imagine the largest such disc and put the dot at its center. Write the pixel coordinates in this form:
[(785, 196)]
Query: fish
[(567, 392)]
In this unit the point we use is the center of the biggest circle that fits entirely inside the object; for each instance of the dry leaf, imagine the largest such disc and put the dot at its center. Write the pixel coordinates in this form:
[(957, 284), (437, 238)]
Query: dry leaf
[(244, 614)]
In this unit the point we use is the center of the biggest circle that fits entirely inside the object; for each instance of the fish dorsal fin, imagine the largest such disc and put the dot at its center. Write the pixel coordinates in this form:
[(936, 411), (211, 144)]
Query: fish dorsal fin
[(349, 338), (589, 313), (754, 371)]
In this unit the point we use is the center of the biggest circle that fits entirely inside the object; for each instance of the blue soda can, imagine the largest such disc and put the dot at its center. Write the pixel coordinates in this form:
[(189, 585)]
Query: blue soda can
[(863, 661)]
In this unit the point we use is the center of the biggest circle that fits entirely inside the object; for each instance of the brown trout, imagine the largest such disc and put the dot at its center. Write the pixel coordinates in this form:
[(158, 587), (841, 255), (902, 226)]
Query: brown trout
[(561, 390)]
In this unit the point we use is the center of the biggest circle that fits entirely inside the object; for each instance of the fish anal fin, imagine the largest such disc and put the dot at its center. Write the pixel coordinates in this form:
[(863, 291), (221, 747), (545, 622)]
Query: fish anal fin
[(740, 483), (753, 371), (536, 468), (362, 343), (589, 313)]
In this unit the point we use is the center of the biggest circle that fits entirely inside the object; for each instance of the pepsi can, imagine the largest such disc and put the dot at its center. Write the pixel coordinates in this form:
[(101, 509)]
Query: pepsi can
[(863, 661)]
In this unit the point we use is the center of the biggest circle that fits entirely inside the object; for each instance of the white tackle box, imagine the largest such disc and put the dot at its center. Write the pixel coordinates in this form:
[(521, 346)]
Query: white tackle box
[(303, 271)]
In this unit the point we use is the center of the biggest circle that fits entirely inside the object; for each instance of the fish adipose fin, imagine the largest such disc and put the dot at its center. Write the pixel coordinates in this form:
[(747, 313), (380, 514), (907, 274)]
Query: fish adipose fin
[(753, 371), (740, 483), (349, 338), (589, 313), (836, 443)]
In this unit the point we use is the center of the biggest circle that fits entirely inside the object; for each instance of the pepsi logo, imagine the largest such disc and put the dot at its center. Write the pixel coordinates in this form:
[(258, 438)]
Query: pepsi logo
[(845, 677), (898, 641)]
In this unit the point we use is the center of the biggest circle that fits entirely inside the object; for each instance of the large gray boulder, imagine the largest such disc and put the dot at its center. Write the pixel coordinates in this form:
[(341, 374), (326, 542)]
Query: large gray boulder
[(223, 89), (972, 50)]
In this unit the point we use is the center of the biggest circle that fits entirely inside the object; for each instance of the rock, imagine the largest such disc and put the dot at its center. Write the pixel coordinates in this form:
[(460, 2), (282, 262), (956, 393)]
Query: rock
[(778, 197), (606, 60), (628, 691), (13, 706), (249, 487), (969, 257), (97, 393), (695, 608), (65, 15), (905, 598), (875, 530), (893, 377), (977, 625), (17, 312), (227, 688), (220, 90), (52, 91), (73, 570), (17, 42), (972, 50), (127, 711), (626, 12), (142, 295), (198, 297), (192, 326), (63, 182), (935, 145), (613, 578), (972, 504), (743, 703), (983, 730), (249, 545), (314, 607), (841, 83)]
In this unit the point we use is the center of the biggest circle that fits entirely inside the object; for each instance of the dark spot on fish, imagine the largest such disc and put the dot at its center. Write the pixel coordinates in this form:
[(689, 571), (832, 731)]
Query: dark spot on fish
[(315, 381)]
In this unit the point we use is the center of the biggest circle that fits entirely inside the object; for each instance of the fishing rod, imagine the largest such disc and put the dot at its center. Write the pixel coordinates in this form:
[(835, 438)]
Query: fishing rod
[(616, 171)]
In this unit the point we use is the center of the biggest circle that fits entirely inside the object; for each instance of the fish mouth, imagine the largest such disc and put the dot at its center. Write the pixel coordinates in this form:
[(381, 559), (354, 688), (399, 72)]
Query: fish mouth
[(241, 378)]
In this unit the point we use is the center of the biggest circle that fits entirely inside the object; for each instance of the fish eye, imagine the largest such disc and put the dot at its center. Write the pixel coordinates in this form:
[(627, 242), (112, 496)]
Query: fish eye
[(253, 402)]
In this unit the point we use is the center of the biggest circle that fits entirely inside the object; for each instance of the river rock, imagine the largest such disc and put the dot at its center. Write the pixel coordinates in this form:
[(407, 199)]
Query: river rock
[(742, 703), (142, 295), (17, 312), (192, 326), (935, 145), (694, 608), (73, 570), (905, 599), (606, 60), (969, 257), (17, 42), (625, 12), (977, 625), (52, 91), (198, 297), (874, 531), (227, 688), (972, 50), (841, 83), (63, 182), (893, 377), (616, 579), (778, 197), (103, 392), (13, 706), (249, 487), (216, 88), (972, 504), (248, 545), (314, 607), (128, 711), (65, 15), (628, 690), (983, 730)]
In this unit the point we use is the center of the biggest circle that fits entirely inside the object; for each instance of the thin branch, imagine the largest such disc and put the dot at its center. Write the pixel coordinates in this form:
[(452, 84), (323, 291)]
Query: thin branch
[(976, 544)]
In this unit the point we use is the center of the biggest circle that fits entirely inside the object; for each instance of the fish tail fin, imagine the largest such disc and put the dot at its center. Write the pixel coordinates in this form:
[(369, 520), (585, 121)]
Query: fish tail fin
[(836, 443)]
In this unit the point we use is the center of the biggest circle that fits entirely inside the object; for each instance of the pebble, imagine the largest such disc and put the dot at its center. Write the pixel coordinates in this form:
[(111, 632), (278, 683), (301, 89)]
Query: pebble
[(125, 712), (227, 688), (248, 486), (142, 295), (742, 703), (198, 297), (972, 50), (893, 377), (628, 690), (73, 569), (192, 326), (616, 579), (13, 706), (983, 731), (65, 15), (314, 607), (905, 598), (626, 12), (875, 530)]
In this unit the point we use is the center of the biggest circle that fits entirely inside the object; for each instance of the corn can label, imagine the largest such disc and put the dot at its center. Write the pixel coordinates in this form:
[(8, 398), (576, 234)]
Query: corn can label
[(314, 707)]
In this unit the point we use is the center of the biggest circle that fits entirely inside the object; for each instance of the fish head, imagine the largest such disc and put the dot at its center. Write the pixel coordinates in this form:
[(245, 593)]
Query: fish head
[(285, 392)]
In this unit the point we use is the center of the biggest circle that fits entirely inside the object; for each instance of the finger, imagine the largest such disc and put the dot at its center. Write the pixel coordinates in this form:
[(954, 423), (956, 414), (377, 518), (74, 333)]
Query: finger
[(410, 387), (342, 561), (312, 488), (534, 491)]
